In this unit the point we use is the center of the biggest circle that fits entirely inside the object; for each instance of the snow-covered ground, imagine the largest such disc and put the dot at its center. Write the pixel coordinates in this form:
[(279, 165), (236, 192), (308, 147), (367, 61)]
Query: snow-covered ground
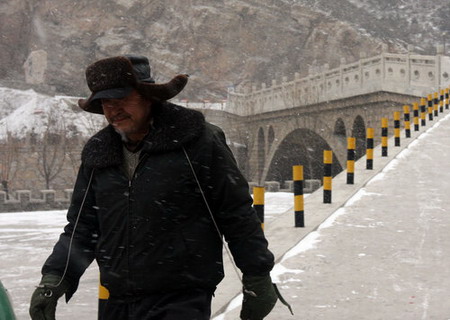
[(26, 239)]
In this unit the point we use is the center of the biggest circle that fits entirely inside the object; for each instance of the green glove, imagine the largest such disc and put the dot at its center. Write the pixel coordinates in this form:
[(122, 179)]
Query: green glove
[(6, 310), (45, 297), (259, 297)]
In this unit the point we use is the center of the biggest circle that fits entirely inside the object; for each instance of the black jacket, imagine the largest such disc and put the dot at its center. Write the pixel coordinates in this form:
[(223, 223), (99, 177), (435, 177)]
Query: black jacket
[(154, 233)]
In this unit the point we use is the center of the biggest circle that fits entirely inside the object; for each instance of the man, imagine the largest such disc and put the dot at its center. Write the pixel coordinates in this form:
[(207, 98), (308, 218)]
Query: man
[(156, 190)]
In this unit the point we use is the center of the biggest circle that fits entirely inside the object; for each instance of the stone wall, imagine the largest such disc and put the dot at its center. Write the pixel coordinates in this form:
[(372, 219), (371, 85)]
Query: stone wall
[(22, 200)]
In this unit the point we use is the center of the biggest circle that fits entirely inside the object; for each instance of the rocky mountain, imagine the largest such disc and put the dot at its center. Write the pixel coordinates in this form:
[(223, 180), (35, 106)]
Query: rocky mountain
[(221, 43)]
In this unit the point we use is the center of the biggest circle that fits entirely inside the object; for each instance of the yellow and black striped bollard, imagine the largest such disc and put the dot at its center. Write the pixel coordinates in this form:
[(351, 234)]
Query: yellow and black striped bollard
[(407, 119), (298, 197), (441, 101), (397, 128), (327, 180), (416, 116), (430, 107), (369, 149), (384, 137), (103, 296), (258, 203), (423, 121), (436, 104), (446, 98), (351, 145)]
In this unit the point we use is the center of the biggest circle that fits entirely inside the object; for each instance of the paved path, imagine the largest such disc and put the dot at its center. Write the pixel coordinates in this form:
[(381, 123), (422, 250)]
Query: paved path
[(385, 253)]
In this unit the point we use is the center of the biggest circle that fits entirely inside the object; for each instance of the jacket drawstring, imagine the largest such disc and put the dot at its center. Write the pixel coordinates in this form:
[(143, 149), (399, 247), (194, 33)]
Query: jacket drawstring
[(74, 229), (251, 293)]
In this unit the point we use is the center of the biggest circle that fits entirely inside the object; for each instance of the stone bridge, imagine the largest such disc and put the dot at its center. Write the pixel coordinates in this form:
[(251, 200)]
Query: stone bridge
[(271, 128)]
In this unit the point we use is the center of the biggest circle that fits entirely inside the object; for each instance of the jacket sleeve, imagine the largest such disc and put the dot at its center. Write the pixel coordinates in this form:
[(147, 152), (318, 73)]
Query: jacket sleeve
[(232, 207), (79, 238)]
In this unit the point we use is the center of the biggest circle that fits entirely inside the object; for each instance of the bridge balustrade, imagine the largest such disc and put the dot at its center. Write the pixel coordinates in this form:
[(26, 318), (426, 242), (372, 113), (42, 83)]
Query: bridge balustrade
[(409, 74)]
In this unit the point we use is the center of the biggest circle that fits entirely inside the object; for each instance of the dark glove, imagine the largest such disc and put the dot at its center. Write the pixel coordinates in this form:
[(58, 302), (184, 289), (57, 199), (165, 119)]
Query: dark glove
[(259, 297), (45, 297)]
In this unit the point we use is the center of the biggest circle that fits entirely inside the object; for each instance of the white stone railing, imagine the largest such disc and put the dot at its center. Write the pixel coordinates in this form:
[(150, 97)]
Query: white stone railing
[(205, 104), (22, 200), (410, 74)]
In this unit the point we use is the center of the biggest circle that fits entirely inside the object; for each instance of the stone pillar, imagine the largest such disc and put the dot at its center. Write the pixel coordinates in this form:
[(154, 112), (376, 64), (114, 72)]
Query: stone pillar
[(49, 196)]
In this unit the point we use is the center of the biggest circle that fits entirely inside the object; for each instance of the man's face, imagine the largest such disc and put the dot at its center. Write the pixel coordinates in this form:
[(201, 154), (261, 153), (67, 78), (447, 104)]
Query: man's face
[(130, 115)]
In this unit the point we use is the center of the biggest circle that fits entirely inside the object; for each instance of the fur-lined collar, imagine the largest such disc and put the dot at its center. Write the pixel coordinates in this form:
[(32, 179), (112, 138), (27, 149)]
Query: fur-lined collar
[(173, 126)]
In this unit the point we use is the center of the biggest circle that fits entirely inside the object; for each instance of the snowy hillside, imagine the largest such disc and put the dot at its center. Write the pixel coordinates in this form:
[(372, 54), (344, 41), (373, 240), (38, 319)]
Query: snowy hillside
[(23, 112), (421, 23)]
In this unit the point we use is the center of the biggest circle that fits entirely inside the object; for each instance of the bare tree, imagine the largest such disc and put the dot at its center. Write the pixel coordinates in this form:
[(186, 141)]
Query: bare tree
[(52, 148), (75, 143), (9, 150)]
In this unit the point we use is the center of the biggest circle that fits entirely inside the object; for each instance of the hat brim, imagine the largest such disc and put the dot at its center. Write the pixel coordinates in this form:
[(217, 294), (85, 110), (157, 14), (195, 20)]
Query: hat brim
[(157, 91), (93, 103), (115, 93)]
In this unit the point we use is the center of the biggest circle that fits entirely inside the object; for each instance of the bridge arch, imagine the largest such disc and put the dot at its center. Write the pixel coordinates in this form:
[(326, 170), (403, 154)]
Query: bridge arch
[(300, 147), (267, 132), (359, 133), (263, 152), (339, 128), (340, 131)]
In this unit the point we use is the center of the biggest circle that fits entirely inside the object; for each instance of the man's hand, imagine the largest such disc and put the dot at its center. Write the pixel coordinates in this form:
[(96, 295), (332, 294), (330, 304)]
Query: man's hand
[(259, 297), (45, 297)]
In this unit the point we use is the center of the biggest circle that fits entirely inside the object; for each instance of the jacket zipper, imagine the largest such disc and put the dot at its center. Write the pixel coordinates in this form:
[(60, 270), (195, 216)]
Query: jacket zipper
[(130, 227)]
